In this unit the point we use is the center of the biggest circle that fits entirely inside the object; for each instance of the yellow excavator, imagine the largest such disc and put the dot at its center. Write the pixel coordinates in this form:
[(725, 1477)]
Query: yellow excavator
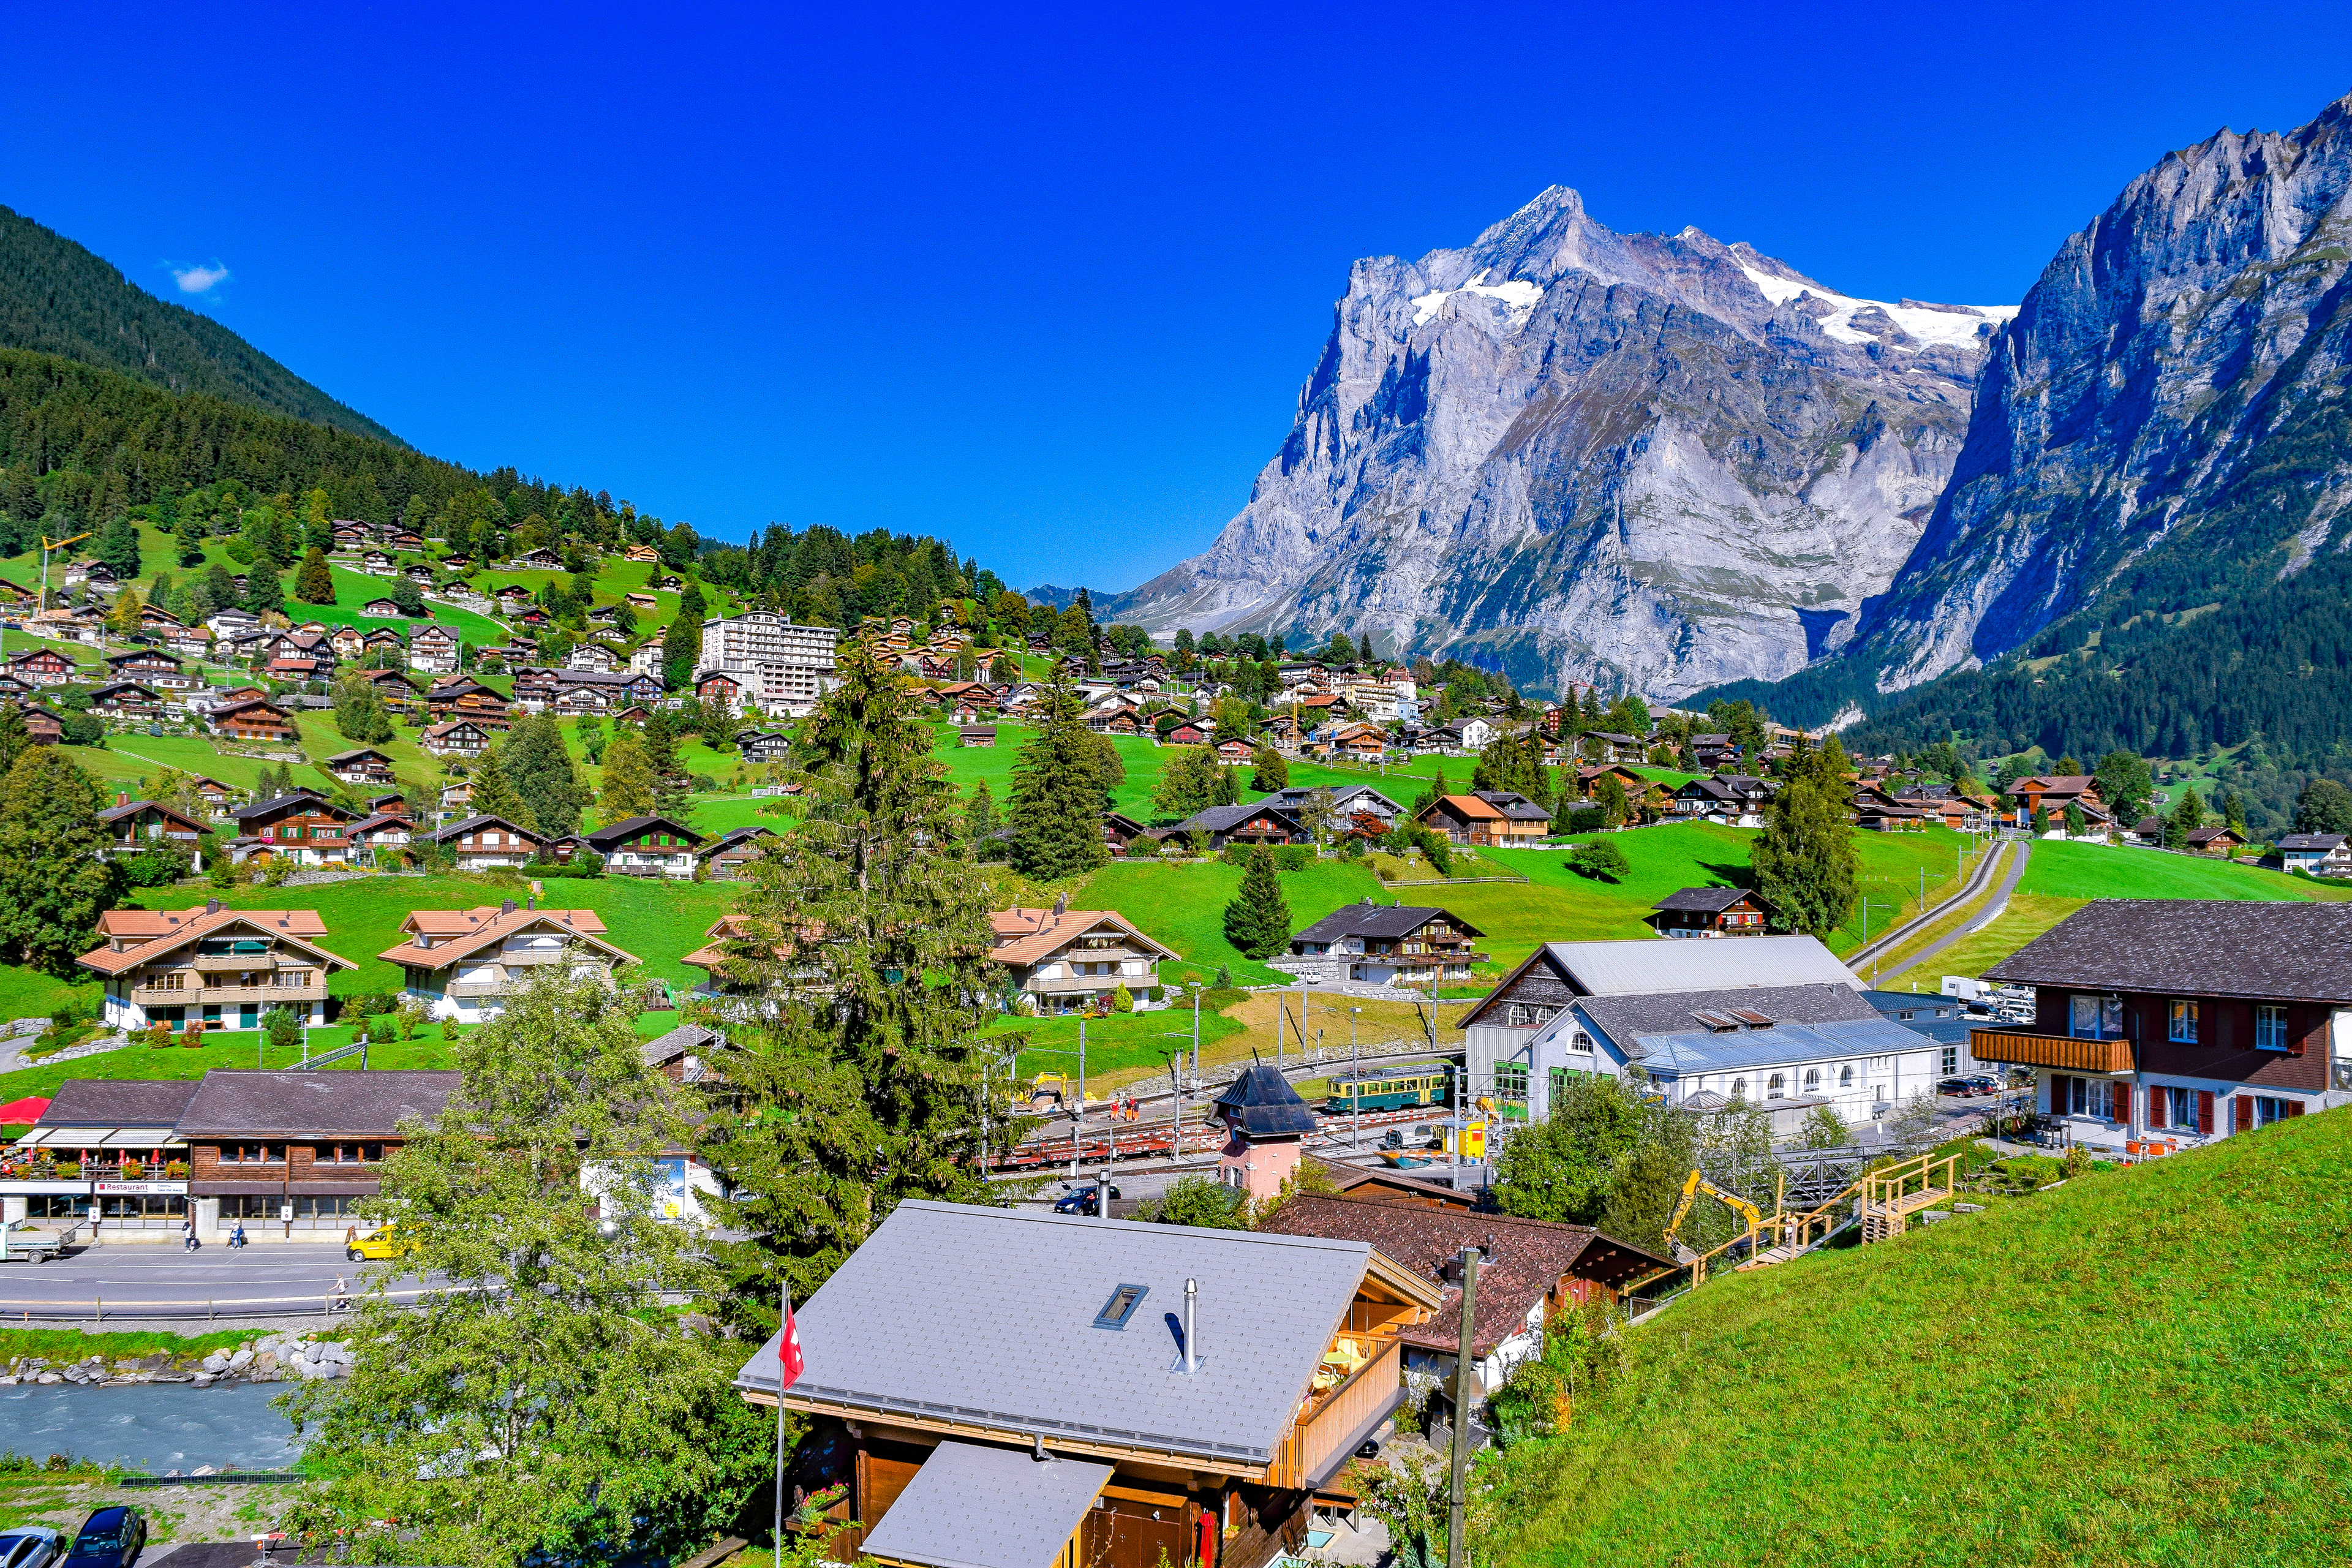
[(1696, 1183)]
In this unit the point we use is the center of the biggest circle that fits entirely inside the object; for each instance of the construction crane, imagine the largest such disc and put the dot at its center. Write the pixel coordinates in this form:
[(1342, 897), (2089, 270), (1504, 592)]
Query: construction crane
[(49, 544), (1696, 1183)]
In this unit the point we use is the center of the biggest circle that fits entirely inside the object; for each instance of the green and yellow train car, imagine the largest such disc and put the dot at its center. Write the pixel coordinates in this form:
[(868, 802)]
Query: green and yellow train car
[(1394, 1091)]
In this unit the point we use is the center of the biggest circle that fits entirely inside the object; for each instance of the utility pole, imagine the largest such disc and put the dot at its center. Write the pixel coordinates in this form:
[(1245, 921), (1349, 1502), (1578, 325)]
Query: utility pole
[(1355, 1074), (1196, 1031), (1454, 1545)]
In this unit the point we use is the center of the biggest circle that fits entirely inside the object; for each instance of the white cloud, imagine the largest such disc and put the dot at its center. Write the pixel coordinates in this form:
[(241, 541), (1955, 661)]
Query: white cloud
[(200, 279)]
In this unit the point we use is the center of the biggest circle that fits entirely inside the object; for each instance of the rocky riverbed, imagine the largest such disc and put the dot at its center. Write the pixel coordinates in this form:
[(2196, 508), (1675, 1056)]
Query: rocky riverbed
[(271, 1358)]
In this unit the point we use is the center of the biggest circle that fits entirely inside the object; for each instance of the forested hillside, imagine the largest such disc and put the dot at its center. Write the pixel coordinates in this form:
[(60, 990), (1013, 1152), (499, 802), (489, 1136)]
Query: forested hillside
[(59, 297)]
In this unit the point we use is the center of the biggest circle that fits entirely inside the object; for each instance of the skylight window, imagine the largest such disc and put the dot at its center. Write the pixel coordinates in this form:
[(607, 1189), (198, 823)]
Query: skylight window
[(1121, 1306)]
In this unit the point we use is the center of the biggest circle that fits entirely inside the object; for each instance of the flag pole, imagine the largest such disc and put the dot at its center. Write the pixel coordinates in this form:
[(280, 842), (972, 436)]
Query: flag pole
[(783, 1334)]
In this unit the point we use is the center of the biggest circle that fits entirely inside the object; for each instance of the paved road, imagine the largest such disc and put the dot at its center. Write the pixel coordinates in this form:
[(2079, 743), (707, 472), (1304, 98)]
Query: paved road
[(131, 1275), (1993, 909)]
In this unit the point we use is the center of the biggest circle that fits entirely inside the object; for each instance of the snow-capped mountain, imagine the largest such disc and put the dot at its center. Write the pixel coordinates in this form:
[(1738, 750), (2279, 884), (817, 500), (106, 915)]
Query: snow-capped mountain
[(1654, 461)]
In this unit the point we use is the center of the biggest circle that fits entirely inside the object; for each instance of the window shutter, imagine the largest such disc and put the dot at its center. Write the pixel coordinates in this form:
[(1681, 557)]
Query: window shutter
[(2294, 1108), (2245, 1114), (2205, 1110), (2297, 1025)]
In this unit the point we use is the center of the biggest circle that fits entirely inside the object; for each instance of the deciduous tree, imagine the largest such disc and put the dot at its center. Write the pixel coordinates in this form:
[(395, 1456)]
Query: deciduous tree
[(628, 778), (1188, 783), (54, 882)]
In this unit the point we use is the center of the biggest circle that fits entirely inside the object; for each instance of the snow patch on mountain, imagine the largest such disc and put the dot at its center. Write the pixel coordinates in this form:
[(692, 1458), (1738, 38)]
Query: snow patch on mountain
[(1955, 326), (1518, 293)]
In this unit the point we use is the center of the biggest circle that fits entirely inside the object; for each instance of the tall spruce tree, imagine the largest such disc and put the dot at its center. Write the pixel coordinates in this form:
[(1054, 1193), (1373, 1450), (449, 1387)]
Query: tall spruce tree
[(1056, 806), (314, 580), (672, 788), (495, 794), (543, 774), (867, 939), (1804, 860), (1257, 920)]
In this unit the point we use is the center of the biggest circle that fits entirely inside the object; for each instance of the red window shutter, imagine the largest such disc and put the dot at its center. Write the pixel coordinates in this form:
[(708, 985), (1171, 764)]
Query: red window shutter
[(2297, 1024), (2294, 1108), (2204, 1111), (2245, 1114)]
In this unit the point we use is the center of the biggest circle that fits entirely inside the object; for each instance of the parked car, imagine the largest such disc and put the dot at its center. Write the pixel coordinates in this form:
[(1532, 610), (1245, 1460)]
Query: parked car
[(1986, 1082), (110, 1538), (30, 1546), (1080, 1200), (1959, 1087)]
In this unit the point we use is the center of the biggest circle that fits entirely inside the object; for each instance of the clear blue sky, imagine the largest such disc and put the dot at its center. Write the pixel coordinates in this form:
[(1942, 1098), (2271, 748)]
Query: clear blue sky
[(1044, 282)]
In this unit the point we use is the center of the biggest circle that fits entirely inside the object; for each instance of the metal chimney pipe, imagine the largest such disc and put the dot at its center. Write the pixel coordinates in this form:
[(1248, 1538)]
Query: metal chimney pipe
[(1102, 1194), (1191, 1327)]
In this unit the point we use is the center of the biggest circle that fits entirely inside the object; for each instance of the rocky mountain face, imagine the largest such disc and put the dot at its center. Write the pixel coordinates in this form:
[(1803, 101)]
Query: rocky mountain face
[(2163, 425), (1652, 461)]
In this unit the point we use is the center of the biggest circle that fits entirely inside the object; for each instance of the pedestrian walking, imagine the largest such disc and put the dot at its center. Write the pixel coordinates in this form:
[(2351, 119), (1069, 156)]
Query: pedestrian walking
[(340, 1301), (188, 1233)]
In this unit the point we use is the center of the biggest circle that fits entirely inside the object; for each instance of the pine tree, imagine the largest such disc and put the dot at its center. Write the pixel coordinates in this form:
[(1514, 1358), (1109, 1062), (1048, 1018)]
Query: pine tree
[(264, 594), (869, 944), (1056, 806), (979, 817), (495, 794), (54, 879), (628, 779), (543, 775), (1257, 920), (672, 787), (682, 644), (1229, 786), (1804, 859), (314, 581), (2187, 817)]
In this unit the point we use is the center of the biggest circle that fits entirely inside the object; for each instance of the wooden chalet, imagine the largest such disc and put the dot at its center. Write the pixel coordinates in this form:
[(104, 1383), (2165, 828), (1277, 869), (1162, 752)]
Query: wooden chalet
[(488, 844), (219, 967), (302, 828), (1711, 911), (464, 964), (1124, 1445), (136, 826), (253, 720)]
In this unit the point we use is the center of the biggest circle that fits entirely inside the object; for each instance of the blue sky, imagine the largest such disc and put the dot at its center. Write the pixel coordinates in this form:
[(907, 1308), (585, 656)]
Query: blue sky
[(1044, 281)]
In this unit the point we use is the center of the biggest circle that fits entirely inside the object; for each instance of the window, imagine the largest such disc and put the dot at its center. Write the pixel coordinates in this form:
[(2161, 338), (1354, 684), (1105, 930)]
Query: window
[(1121, 1306), (1950, 1062), (2266, 1111), (1777, 1088), (2095, 1018), (2180, 1021), (250, 1206), (253, 1154), (1581, 1042), (2270, 1028), (1510, 1081), (1740, 1088), (325, 1207), (1845, 1077), (1813, 1080), (352, 1154)]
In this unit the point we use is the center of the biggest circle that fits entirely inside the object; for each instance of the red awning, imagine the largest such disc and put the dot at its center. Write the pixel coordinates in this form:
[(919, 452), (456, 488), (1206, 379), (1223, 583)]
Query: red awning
[(28, 1110)]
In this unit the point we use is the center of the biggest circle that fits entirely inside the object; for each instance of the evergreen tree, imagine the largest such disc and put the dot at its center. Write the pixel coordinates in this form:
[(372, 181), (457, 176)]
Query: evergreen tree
[(15, 740), (1269, 772), (868, 940), (2187, 816), (1056, 806), (672, 787), (979, 817), (117, 547), (264, 594), (1257, 920), (407, 598), (2233, 811), (361, 716), (496, 795), (628, 779), (1804, 859), (1229, 786), (1188, 784), (54, 879), (314, 581), (682, 644), (543, 776)]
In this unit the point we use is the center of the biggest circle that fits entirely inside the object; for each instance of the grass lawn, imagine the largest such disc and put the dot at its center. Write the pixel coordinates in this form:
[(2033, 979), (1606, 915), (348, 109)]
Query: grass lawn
[(2134, 1368), (1183, 906), (2065, 870)]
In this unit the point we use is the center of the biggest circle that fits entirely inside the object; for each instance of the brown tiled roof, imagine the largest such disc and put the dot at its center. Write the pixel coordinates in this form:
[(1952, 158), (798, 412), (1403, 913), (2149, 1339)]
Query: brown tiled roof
[(1528, 1259), (2191, 947), (1042, 931), (1473, 808), (469, 931), (239, 1102), (164, 929)]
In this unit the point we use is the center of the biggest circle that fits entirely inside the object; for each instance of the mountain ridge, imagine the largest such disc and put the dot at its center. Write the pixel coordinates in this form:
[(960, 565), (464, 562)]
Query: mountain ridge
[(61, 298), (1656, 461)]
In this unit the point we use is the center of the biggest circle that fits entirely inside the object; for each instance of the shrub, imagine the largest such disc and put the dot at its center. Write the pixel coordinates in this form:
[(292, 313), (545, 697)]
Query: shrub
[(1293, 858), (1122, 1000), (1603, 862)]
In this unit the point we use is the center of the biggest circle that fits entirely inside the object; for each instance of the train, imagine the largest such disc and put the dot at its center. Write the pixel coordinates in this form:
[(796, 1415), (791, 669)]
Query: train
[(1396, 1090)]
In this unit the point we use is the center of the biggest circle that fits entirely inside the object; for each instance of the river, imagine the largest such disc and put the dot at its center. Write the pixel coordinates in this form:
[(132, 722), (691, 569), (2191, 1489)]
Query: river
[(153, 1428)]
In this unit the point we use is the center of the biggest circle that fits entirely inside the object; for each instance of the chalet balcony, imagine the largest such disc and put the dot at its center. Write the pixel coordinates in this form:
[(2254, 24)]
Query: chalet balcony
[(480, 987), (226, 995), (1068, 985), (2025, 1048), (1332, 1421), (236, 963)]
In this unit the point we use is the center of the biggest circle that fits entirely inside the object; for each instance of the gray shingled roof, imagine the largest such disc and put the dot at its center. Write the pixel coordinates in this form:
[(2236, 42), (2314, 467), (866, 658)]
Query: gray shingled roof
[(1705, 901), (1260, 1103), (973, 1507), (2186, 947), (986, 1316), (1626, 1020), (1218, 818), (2307, 840), (118, 1102), (296, 1103), (1384, 922)]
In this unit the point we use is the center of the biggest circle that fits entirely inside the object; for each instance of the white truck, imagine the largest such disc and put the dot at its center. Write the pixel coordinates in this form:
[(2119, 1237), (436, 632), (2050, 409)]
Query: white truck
[(21, 1242)]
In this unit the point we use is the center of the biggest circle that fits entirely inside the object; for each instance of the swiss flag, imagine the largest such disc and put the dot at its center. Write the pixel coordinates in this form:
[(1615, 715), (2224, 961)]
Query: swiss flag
[(788, 1352)]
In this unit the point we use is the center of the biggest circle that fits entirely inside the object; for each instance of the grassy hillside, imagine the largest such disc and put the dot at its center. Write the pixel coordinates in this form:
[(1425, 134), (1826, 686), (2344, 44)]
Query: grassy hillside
[(2140, 1367)]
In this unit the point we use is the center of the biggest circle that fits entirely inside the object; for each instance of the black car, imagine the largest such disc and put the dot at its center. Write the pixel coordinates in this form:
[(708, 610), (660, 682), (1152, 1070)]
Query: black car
[(1960, 1087), (110, 1538), (1080, 1200)]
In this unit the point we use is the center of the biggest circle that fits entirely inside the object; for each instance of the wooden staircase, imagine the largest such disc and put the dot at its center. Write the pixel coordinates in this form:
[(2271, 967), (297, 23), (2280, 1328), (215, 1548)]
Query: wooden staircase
[(1882, 1202)]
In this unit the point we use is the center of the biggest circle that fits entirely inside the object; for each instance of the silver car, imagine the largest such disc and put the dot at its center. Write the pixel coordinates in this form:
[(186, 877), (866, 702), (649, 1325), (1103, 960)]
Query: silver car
[(30, 1546)]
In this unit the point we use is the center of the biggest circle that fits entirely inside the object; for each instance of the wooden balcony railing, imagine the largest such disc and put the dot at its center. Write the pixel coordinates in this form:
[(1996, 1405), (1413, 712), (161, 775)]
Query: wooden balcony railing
[(2026, 1048), (1329, 1419)]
